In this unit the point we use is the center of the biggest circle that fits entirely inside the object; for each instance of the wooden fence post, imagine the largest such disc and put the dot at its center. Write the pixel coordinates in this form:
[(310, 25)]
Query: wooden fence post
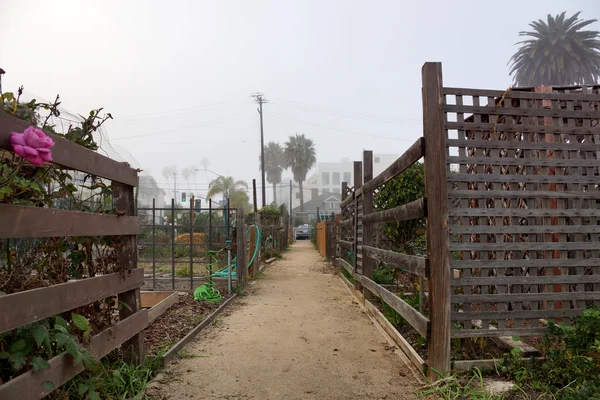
[(129, 302), (357, 216), (338, 233), (367, 235), (241, 263), (438, 251)]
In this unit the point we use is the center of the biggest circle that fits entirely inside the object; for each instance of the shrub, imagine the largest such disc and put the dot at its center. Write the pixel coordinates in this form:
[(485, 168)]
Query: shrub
[(571, 369)]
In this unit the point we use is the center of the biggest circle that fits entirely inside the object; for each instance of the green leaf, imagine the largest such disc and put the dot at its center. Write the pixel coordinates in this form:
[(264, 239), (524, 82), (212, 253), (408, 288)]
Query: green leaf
[(81, 322), (49, 385), (90, 362), (82, 389), (17, 346), (60, 321), (62, 339), (17, 360), (73, 349), (4, 355), (93, 395), (516, 338), (39, 333), (39, 363)]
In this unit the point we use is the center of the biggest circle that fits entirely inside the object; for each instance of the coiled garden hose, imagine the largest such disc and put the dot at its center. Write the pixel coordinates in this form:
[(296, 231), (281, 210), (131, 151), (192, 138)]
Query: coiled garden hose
[(207, 292)]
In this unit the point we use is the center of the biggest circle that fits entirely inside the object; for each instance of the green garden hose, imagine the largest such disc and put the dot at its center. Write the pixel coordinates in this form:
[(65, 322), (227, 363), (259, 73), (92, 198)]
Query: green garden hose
[(207, 292), (223, 273)]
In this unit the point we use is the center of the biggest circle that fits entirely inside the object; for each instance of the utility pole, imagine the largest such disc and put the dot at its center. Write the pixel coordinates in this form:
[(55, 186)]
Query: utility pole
[(175, 185), (259, 98)]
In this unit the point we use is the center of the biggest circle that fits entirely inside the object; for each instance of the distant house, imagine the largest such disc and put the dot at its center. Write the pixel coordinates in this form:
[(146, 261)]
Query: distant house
[(326, 203)]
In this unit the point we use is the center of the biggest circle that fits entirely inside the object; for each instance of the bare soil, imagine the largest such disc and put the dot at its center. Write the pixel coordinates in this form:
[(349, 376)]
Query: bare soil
[(178, 321), (297, 335)]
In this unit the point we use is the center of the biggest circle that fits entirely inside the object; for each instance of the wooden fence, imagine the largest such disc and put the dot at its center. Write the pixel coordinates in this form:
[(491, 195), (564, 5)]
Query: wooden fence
[(326, 238), (25, 307), (511, 207)]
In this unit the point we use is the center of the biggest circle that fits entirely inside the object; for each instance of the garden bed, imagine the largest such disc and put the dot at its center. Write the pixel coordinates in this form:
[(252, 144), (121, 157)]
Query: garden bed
[(178, 321)]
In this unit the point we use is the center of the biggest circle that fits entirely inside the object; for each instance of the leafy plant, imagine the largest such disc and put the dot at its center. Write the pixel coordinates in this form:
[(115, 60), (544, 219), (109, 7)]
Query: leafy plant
[(30, 346), (406, 236), (571, 368)]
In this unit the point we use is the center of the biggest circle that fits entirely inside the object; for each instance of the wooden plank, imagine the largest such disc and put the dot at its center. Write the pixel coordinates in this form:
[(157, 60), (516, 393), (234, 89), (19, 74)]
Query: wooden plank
[(524, 263), (346, 223), (398, 339), (410, 156), (411, 315), (242, 261), (345, 244), (160, 308), (470, 333), (544, 162), (497, 315), (62, 368), (367, 229), (436, 188), (414, 209), (344, 264), (519, 128), (508, 229), (130, 301), (508, 297), (517, 194), (27, 222), (71, 155), (358, 214), (414, 264), (348, 200), (22, 308), (509, 212), (522, 246), (502, 144), (521, 178), (176, 349), (526, 112), (526, 280), (519, 93)]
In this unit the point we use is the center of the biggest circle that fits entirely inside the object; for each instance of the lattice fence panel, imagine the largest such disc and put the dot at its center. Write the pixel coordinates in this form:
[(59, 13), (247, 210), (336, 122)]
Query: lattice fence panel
[(523, 193)]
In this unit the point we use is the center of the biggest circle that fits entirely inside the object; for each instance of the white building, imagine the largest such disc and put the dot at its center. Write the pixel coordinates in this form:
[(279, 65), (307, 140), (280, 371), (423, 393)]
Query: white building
[(328, 178)]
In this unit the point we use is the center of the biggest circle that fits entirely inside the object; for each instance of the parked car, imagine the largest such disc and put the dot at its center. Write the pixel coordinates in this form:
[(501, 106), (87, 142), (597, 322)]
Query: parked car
[(303, 232)]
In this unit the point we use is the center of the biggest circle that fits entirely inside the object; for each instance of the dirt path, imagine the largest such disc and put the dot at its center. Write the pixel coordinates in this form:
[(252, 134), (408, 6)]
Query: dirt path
[(297, 335)]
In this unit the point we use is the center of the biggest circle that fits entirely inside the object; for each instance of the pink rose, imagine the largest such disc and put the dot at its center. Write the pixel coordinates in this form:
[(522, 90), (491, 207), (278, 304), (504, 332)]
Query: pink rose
[(33, 145)]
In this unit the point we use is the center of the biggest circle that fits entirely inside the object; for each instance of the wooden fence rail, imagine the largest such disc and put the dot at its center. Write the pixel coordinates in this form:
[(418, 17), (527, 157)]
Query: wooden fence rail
[(511, 209), (22, 308)]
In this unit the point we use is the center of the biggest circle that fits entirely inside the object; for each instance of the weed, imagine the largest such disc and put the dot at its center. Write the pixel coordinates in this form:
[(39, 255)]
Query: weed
[(571, 369), (458, 387)]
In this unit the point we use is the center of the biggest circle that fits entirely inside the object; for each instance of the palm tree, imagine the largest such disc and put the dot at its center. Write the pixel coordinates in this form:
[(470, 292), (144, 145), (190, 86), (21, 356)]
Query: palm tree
[(300, 156), (274, 165), (230, 189), (557, 53)]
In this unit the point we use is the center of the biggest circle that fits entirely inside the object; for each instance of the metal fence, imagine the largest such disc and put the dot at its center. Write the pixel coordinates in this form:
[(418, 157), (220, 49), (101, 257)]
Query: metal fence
[(180, 249)]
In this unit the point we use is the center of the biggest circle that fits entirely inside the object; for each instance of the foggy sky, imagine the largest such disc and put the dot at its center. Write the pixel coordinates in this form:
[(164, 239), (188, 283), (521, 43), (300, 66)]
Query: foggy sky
[(181, 73)]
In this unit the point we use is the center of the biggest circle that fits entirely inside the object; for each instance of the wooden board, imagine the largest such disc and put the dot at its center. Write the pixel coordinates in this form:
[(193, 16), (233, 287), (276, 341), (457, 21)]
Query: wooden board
[(71, 155), (413, 210), (417, 320), (28, 222), (22, 308), (62, 368), (413, 264), (410, 156)]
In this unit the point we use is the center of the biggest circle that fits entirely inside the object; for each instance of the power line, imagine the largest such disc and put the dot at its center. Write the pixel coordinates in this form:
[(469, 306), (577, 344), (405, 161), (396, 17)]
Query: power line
[(281, 116), (207, 123), (158, 117), (349, 114), (158, 113)]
